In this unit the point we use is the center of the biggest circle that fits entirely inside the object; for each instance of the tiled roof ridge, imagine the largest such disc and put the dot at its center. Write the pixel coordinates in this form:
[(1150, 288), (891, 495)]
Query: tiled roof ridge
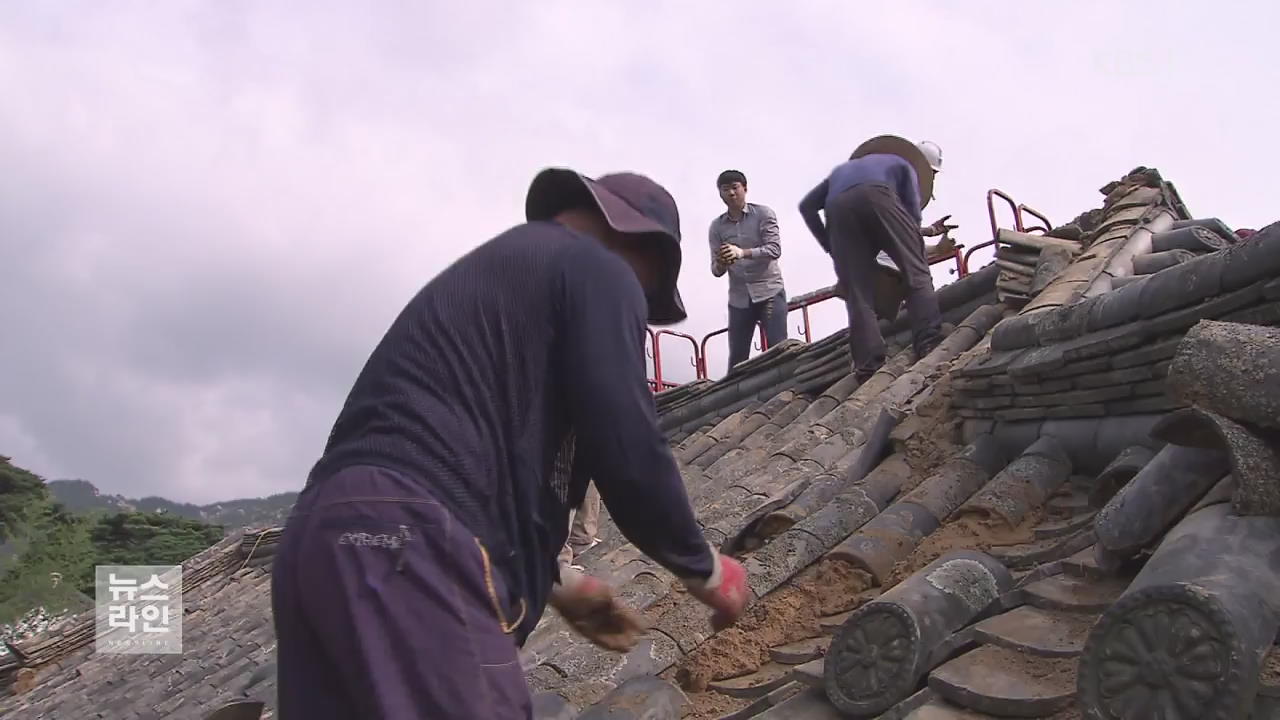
[(1200, 278), (1109, 355), (1124, 231), (1043, 271)]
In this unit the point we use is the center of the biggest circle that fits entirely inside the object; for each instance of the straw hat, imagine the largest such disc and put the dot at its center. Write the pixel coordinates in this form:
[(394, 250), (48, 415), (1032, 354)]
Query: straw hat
[(907, 150)]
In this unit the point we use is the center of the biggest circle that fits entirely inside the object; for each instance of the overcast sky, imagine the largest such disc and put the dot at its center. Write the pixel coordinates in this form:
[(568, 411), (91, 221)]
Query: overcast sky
[(210, 212)]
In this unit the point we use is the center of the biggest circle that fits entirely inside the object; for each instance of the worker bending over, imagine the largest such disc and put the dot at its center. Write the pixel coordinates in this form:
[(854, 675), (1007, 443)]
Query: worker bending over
[(422, 551), (873, 203)]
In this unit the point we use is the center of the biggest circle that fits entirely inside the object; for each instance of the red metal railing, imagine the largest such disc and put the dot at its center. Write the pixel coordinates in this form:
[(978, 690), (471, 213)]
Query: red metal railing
[(1018, 209), (762, 342), (954, 256), (1037, 215), (702, 357), (658, 382), (648, 352)]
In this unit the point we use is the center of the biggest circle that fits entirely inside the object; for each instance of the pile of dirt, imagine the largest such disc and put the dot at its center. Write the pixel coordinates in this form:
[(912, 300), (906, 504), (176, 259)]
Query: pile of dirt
[(709, 705), (932, 432), (927, 449), (784, 616), (835, 585), (964, 533), (1053, 671), (675, 592), (1270, 674)]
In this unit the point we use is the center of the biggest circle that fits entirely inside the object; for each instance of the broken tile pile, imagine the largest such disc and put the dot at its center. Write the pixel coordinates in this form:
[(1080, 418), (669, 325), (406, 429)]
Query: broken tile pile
[(35, 622), (1069, 509), (1029, 262)]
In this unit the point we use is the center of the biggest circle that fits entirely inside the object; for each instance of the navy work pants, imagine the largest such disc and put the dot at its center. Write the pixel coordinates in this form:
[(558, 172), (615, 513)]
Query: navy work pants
[(862, 221), (386, 608)]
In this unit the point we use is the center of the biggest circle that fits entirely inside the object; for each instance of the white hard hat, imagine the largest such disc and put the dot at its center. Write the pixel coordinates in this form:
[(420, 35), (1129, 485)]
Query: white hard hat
[(932, 153)]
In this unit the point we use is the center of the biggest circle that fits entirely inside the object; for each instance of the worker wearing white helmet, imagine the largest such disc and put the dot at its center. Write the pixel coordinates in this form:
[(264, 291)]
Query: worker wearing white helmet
[(873, 204), (894, 286), (932, 153)]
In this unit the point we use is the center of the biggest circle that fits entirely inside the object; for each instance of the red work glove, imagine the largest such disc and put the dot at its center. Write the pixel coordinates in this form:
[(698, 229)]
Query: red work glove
[(590, 608), (725, 591)]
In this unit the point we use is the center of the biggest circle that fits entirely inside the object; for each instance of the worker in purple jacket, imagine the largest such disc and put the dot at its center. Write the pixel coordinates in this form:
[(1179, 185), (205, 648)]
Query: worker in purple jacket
[(873, 204), (422, 550)]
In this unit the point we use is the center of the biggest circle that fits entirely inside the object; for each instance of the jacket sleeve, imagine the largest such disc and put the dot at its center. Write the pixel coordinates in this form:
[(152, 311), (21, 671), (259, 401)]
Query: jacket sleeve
[(809, 207), (603, 312)]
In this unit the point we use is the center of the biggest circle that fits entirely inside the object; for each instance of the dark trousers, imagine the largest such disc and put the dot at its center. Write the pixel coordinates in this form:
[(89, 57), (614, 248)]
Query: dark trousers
[(772, 313), (385, 608), (862, 221)]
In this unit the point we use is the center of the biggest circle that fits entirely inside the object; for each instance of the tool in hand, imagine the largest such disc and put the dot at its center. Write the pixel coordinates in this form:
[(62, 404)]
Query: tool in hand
[(939, 227)]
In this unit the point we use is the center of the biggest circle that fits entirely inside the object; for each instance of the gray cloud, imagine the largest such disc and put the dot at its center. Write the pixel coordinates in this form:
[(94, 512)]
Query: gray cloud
[(210, 213)]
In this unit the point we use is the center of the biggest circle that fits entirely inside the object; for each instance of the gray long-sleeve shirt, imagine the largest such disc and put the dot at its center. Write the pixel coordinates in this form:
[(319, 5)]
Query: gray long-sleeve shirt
[(883, 169), (757, 276)]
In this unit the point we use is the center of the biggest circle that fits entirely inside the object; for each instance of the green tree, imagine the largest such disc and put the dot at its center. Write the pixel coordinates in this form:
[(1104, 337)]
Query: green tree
[(19, 489), (50, 552), (53, 556), (136, 538)]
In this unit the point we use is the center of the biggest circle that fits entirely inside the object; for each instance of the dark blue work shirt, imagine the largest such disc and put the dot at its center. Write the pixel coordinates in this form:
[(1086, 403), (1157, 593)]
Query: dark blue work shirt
[(881, 169), (533, 338)]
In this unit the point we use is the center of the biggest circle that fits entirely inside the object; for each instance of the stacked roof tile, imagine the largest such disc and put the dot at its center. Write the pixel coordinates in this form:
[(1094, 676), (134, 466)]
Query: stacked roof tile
[(1070, 508)]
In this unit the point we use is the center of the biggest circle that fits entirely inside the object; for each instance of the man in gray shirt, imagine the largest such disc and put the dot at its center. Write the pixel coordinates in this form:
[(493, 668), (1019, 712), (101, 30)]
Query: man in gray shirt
[(744, 243)]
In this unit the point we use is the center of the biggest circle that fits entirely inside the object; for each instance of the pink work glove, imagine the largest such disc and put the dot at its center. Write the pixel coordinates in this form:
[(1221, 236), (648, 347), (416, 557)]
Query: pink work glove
[(725, 591), (590, 608)]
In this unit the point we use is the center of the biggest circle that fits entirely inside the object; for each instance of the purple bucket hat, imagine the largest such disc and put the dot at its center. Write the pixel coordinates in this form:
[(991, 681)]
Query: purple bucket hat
[(631, 204)]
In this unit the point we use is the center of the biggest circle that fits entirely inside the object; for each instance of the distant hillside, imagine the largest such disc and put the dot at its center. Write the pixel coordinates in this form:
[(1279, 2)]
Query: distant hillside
[(48, 551), (83, 496)]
